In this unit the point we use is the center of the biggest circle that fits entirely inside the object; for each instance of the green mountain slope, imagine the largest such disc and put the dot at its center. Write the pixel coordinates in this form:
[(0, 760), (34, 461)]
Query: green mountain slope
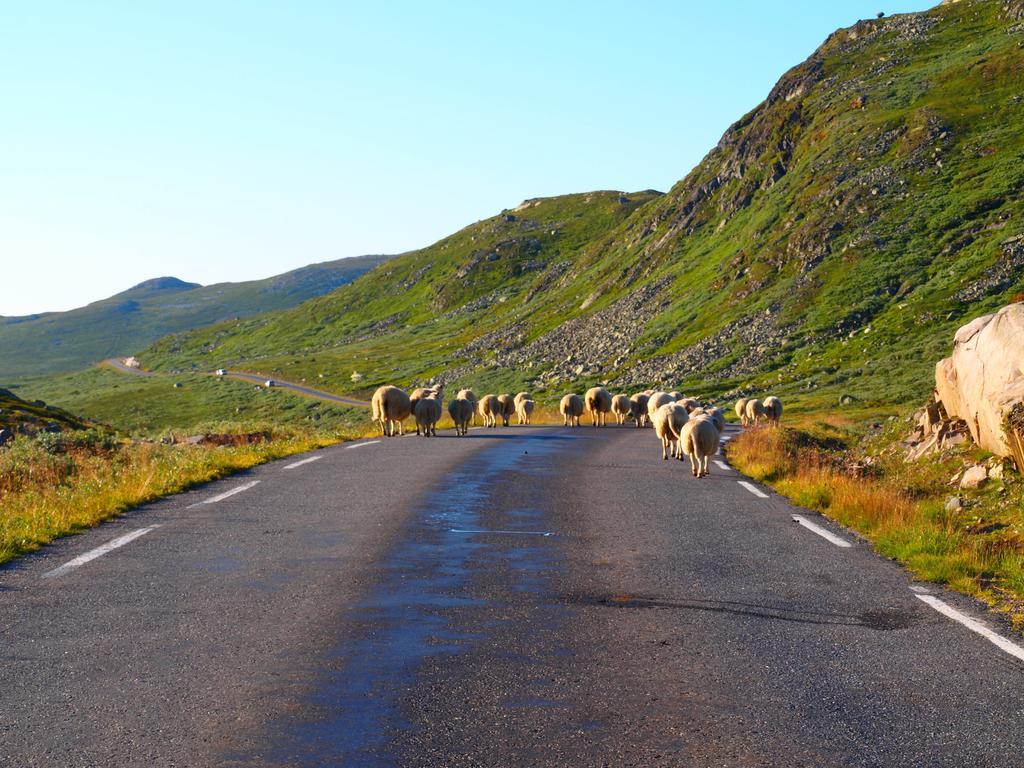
[(831, 242), (128, 321)]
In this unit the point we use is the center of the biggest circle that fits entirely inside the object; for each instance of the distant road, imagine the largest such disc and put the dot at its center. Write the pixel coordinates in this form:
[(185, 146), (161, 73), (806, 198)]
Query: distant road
[(118, 364), (255, 378), (529, 596), (302, 389)]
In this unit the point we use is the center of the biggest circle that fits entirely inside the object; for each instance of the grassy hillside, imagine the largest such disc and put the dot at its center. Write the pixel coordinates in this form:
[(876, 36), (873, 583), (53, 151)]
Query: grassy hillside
[(127, 322), (829, 244), (20, 415), (150, 405)]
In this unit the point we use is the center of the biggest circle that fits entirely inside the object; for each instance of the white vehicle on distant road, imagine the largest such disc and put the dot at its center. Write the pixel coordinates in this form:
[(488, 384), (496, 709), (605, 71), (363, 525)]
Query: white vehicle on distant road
[(221, 372), (269, 383)]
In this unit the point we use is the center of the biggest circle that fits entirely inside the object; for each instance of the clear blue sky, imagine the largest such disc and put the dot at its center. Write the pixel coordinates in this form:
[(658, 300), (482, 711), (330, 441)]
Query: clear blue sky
[(234, 140)]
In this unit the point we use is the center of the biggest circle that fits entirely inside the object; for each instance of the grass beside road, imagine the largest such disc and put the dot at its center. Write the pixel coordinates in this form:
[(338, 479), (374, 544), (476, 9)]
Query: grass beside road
[(860, 479), (55, 485)]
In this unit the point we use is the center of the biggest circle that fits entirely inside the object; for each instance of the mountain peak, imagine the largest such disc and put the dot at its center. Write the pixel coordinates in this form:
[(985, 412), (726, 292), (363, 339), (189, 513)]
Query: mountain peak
[(164, 284)]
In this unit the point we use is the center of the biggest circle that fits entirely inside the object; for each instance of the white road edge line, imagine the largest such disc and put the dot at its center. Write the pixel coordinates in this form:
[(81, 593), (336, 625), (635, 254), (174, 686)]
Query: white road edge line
[(92, 554), (360, 445), (823, 532), (722, 464), (310, 460), (226, 494), (753, 489), (975, 626)]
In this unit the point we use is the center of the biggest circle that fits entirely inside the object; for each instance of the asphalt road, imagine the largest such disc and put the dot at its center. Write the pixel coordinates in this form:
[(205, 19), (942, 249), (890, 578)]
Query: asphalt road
[(520, 597)]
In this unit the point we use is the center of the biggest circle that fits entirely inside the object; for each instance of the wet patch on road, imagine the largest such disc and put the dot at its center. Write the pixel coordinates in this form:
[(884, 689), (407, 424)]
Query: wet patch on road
[(425, 608)]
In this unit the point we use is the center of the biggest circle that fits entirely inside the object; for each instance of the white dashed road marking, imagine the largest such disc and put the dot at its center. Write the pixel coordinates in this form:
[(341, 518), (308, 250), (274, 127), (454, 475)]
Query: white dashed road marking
[(975, 626), (722, 464), (225, 495), (753, 489), (360, 445), (92, 554), (310, 460), (823, 532)]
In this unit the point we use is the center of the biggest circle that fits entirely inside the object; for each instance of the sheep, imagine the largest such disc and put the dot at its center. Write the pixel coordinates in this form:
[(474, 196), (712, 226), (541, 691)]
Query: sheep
[(571, 408), (655, 401), (521, 397), (622, 408), (717, 418), (676, 395), (754, 411), (599, 402), (699, 440), (508, 407), (428, 413), (772, 410), (390, 407), (461, 410), (638, 407), (689, 403), (524, 410), (741, 409), (668, 421), (468, 394), (419, 394), (489, 409)]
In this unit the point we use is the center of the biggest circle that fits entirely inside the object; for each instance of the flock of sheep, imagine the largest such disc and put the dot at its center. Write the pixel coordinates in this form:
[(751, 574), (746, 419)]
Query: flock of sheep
[(682, 424)]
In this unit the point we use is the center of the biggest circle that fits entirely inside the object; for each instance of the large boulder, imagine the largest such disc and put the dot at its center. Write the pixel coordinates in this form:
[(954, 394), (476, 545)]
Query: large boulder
[(982, 382)]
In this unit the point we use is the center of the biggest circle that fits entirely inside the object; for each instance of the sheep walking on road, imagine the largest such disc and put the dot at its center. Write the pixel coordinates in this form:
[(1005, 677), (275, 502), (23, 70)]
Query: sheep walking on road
[(390, 406), (419, 394), (622, 408), (654, 401), (773, 410), (741, 409), (717, 418), (489, 409), (754, 411), (524, 410), (508, 407), (699, 440), (461, 410), (638, 407), (599, 402), (690, 403), (468, 394), (571, 408), (428, 413), (668, 422)]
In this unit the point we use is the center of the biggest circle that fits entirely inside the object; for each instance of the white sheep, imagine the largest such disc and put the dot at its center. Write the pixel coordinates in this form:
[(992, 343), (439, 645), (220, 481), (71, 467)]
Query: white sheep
[(717, 418), (699, 440), (428, 413), (741, 409), (622, 409), (489, 409), (524, 410), (390, 407), (508, 407), (468, 394), (772, 410), (654, 401), (668, 422), (520, 397), (638, 407), (689, 403), (676, 395), (754, 411), (599, 402), (461, 410), (571, 408), (421, 393)]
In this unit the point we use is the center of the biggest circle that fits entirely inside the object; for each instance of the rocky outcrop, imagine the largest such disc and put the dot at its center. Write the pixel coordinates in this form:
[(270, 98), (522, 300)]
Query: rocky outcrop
[(982, 382)]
